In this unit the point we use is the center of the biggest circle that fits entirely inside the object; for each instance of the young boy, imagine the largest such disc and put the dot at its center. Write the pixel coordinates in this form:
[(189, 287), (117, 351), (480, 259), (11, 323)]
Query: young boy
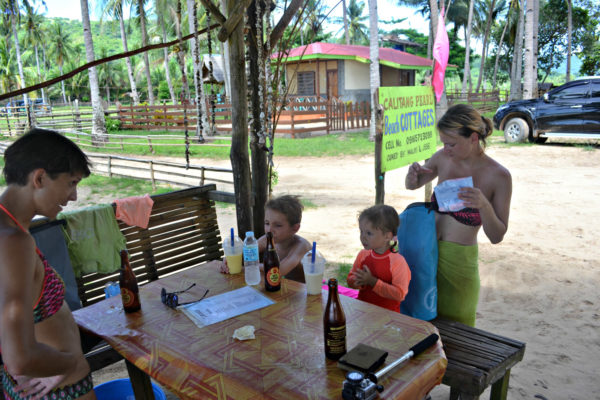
[(282, 218)]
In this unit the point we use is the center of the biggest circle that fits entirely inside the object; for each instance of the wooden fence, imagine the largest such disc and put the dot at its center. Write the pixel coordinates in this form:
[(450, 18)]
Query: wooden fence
[(299, 117), (482, 101), (161, 171)]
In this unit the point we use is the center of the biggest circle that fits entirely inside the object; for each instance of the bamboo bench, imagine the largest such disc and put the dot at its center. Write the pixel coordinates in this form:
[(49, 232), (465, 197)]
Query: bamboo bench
[(476, 360), (182, 233)]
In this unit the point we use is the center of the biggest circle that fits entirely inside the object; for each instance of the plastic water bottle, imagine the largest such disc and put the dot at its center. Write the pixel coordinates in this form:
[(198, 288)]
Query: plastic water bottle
[(251, 269)]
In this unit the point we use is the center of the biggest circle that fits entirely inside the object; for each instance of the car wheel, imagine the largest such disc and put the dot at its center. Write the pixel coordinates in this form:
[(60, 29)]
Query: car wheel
[(516, 130)]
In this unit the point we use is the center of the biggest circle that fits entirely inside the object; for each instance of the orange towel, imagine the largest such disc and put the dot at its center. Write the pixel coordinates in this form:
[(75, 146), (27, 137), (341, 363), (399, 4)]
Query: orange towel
[(134, 210)]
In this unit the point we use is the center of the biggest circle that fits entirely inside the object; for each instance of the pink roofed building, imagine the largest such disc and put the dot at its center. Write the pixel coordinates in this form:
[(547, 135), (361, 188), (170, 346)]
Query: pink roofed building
[(342, 71)]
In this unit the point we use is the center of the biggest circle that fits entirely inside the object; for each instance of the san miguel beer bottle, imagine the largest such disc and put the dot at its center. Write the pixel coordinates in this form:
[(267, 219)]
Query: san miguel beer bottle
[(129, 288), (334, 324), (271, 263)]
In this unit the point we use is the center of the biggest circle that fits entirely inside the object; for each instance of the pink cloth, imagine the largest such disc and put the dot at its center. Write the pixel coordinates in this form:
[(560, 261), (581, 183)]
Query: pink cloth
[(134, 210), (344, 291), (441, 48)]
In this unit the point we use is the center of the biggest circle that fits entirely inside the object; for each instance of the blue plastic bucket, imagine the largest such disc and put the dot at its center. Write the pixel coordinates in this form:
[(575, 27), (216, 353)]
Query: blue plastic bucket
[(120, 389)]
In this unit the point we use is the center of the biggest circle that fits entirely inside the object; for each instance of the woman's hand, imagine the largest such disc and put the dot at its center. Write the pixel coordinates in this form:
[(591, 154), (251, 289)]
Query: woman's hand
[(37, 388), (473, 197), (363, 277), (415, 171)]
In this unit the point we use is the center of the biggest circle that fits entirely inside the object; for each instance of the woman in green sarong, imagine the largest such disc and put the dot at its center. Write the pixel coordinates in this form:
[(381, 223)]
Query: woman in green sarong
[(463, 132)]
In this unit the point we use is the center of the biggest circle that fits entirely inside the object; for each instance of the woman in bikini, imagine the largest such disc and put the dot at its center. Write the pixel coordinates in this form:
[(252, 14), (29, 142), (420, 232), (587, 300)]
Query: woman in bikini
[(463, 132), (39, 340)]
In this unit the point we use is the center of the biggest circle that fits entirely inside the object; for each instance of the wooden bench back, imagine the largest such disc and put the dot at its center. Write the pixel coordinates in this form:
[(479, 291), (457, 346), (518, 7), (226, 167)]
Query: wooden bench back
[(183, 232)]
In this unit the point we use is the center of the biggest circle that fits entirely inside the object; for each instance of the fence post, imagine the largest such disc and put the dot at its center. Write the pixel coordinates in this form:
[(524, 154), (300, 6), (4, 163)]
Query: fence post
[(8, 124), (150, 145), (109, 166), (328, 114), (202, 176), (77, 116), (28, 108), (122, 147), (152, 175)]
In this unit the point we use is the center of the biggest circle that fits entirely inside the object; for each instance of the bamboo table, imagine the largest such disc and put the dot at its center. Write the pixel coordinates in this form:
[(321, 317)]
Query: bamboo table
[(285, 361)]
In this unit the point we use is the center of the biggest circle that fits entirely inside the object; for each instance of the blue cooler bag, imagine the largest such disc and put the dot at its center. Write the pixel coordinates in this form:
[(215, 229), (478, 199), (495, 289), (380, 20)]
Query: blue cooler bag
[(417, 242)]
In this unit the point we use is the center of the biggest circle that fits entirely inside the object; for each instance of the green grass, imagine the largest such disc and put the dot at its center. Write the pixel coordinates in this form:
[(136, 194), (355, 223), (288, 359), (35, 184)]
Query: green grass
[(354, 143), (342, 273), (120, 187)]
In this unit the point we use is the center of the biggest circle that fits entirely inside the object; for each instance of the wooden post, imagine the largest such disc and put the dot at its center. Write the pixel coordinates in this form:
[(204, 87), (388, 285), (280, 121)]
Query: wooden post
[(8, 124), (152, 175), (122, 147), (150, 145), (28, 109), (379, 174), (109, 166), (202, 170)]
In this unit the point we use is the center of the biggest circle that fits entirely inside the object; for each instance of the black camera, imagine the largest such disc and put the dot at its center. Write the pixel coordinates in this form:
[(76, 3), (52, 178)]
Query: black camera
[(356, 386)]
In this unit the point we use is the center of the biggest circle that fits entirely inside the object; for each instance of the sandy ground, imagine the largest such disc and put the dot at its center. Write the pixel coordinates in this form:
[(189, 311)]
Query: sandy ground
[(540, 285)]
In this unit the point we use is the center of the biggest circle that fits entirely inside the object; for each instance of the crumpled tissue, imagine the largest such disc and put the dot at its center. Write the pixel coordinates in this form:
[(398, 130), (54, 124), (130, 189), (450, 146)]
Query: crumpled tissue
[(244, 333)]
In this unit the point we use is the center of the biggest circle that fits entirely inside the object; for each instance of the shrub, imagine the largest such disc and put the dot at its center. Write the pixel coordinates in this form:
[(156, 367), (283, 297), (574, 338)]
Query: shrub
[(112, 125)]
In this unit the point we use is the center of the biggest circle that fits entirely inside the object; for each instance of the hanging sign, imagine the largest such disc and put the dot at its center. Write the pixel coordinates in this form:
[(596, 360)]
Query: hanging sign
[(409, 132)]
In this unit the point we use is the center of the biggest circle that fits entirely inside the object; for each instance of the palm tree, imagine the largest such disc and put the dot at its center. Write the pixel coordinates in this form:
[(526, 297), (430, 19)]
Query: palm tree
[(164, 7), (569, 38), (33, 30), (98, 124), (516, 72), (11, 8), (467, 69), (345, 17), (506, 23), (141, 16), (492, 11), (62, 49), (114, 8), (530, 68), (357, 28), (7, 77)]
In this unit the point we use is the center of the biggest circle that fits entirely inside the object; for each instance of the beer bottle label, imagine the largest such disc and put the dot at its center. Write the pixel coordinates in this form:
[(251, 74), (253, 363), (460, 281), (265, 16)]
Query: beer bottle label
[(273, 276), (127, 296), (336, 339)]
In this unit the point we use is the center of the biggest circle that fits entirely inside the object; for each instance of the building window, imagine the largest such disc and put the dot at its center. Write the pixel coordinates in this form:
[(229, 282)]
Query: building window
[(306, 83)]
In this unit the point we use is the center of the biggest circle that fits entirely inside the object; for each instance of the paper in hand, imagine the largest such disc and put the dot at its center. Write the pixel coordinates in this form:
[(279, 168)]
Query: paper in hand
[(446, 194)]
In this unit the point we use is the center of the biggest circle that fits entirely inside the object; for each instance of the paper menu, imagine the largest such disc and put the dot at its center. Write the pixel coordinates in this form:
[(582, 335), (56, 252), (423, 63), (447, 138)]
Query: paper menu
[(446, 194), (226, 305)]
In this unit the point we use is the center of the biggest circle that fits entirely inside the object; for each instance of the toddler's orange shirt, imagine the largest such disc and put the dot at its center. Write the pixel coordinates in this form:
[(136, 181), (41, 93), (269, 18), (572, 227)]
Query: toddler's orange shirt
[(393, 277)]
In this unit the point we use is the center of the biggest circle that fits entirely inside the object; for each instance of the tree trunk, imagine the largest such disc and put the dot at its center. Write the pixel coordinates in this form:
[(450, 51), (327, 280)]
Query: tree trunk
[(516, 71), (467, 70), (346, 32), (536, 27), (500, 48), (62, 84), (529, 78), (134, 93), (569, 38), (19, 61), (258, 157), (166, 60), (488, 24), (239, 121), (37, 63), (374, 79), (145, 54), (98, 124)]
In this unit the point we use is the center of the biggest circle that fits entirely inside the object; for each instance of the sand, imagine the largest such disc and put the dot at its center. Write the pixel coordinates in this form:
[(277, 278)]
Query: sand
[(540, 285)]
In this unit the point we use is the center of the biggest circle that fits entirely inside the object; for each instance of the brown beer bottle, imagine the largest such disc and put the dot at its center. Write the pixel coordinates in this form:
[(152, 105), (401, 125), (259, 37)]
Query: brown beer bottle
[(271, 264), (130, 293), (334, 324)]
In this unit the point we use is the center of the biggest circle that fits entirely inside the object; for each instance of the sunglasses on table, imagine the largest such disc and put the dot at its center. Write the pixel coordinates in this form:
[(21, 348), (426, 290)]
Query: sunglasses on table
[(171, 299)]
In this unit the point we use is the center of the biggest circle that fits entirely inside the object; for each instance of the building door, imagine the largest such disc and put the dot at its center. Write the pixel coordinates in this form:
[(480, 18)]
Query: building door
[(332, 84)]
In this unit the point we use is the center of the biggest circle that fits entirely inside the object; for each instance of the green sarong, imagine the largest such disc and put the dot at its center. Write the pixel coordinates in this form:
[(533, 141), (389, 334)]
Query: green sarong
[(458, 282)]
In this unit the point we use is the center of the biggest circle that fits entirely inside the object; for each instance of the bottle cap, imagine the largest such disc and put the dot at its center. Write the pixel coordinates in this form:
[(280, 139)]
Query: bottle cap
[(249, 233)]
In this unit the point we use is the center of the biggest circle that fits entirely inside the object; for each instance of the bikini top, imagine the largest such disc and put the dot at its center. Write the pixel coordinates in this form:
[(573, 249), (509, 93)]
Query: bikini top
[(466, 216), (53, 290)]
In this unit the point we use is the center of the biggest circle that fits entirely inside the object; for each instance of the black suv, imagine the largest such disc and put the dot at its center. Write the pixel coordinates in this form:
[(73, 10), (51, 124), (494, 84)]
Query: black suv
[(568, 111)]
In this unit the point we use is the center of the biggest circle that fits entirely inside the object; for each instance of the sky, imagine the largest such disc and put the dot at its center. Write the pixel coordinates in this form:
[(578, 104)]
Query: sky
[(386, 9)]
